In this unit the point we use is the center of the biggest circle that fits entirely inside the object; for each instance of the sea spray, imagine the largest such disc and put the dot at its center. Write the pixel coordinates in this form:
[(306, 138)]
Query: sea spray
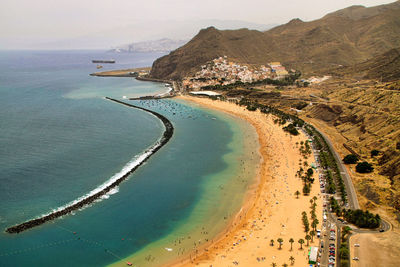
[(110, 184)]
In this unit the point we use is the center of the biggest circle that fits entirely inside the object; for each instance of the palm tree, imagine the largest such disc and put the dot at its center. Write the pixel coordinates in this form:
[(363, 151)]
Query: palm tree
[(346, 230), (280, 241), (273, 264), (311, 201), (314, 224), (313, 214), (284, 265), (312, 234), (301, 242), (315, 198), (291, 260), (297, 193), (272, 242), (291, 240), (308, 237)]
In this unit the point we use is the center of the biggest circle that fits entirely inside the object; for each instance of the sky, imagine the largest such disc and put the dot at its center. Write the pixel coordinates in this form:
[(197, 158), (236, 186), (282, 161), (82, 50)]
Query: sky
[(30, 24)]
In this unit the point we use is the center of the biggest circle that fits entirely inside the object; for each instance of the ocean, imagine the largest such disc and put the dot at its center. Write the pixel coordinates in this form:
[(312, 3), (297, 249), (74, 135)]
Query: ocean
[(60, 139)]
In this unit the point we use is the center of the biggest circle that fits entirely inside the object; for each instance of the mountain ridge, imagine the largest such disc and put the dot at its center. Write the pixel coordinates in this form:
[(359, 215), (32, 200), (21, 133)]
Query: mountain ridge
[(344, 37), (159, 45)]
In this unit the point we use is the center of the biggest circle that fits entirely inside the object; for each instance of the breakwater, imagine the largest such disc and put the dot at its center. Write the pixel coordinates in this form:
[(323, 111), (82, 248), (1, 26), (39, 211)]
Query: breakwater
[(105, 188)]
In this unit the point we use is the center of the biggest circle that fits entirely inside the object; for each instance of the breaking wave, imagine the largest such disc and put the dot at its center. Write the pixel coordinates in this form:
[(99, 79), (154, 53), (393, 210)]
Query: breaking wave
[(109, 187)]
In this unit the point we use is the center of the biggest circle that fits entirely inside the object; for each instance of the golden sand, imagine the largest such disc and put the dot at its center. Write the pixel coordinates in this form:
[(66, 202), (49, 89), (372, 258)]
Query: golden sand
[(272, 211)]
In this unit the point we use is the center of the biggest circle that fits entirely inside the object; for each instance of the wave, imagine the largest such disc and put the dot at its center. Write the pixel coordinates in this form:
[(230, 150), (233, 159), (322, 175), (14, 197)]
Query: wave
[(134, 163), (107, 188)]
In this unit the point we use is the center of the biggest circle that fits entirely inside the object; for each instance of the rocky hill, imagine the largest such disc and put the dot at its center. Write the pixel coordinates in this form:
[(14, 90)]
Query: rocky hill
[(365, 115), (385, 67), (345, 37), (362, 115)]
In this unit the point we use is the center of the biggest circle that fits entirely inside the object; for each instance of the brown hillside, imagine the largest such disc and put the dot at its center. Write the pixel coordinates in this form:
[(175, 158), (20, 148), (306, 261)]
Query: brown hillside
[(385, 67), (345, 37), (360, 115)]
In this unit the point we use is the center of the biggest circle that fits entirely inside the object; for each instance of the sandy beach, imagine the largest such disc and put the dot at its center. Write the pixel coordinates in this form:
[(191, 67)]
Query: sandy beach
[(272, 211)]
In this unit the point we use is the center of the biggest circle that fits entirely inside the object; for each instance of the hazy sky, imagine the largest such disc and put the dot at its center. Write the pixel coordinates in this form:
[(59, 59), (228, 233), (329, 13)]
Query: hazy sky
[(30, 21)]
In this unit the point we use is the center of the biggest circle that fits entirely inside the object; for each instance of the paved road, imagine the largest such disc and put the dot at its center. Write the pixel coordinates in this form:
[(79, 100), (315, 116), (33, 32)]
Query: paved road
[(385, 226), (326, 227), (351, 193), (333, 223)]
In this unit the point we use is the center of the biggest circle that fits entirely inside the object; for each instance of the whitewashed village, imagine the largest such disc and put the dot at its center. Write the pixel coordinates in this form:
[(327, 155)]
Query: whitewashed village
[(220, 71)]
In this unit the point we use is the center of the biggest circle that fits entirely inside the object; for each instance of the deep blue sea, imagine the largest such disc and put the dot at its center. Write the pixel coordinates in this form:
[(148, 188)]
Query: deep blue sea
[(60, 139)]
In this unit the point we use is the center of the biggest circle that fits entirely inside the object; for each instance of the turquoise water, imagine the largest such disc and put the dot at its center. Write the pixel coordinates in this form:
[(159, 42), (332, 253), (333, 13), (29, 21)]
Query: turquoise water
[(59, 139)]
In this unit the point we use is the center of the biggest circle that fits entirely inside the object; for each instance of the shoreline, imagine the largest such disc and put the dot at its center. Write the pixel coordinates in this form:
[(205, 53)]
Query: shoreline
[(224, 193), (81, 202), (223, 242), (247, 203), (269, 208), (119, 73)]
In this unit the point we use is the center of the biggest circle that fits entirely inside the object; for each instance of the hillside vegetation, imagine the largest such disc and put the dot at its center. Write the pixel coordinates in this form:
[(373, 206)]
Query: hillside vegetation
[(358, 116)]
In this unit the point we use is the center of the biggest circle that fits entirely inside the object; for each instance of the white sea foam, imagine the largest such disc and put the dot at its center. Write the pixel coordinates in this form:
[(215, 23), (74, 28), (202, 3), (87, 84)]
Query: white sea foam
[(107, 196), (136, 161)]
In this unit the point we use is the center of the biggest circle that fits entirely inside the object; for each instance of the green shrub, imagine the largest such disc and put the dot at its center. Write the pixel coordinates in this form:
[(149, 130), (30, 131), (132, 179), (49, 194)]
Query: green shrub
[(344, 253), (306, 189), (364, 167), (291, 129), (350, 159), (363, 219), (251, 108), (344, 263), (374, 153)]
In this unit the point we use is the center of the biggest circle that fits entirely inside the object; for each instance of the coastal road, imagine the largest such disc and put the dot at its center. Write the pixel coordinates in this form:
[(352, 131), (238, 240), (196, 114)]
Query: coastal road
[(333, 222), (351, 193)]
